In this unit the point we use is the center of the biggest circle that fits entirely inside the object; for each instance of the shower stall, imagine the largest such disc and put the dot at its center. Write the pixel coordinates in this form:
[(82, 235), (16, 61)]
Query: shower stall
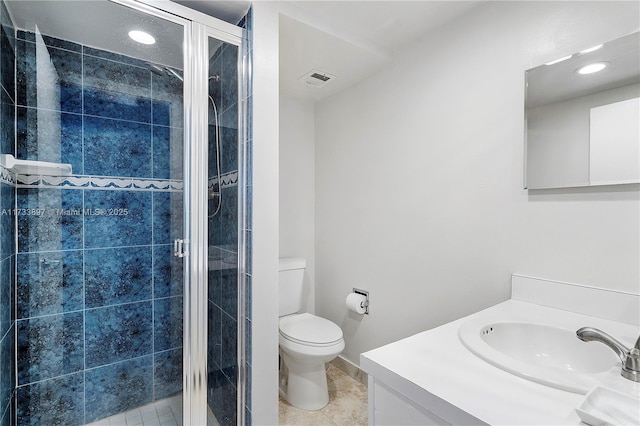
[(124, 173)]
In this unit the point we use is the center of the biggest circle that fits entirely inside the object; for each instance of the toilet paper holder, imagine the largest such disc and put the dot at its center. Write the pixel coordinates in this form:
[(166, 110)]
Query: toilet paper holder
[(366, 302)]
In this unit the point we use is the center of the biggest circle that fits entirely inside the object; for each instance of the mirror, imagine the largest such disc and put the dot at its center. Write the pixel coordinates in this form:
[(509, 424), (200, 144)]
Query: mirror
[(582, 128)]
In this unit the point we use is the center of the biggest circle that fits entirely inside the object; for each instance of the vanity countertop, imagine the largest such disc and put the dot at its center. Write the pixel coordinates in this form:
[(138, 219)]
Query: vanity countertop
[(435, 370)]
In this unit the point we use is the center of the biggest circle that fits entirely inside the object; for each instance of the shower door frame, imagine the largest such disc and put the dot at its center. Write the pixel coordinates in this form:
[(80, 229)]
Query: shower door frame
[(198, 28)]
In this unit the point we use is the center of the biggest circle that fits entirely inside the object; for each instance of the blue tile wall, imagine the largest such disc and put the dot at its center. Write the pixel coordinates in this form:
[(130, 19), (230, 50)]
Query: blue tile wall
[(58, 401), (114, 271), (117, 275), (229, 139), (7, 222), (221, 398), (224, 226), (7, 285), (7, 304), (116, 147), (167, 272), (166, 225), (49, 283), (7, 122), (118, 387), (214, 336), (122, 106), (167, 152), (167, 373), (7, 52), (66, 135), (129, 223), (167, 100), (229, 346), (229, 77), (43, 224), (49, 347), (99, 294), (168, 324), (60, 78), (114, 333), (7, 374), (116, 90)]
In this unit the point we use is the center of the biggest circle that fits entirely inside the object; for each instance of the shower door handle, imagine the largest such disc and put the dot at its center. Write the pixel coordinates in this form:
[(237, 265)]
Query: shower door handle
[(180, 248)]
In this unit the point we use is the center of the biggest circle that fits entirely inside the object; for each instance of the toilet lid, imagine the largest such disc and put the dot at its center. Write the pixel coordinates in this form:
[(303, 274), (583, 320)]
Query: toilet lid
[(310, 329)]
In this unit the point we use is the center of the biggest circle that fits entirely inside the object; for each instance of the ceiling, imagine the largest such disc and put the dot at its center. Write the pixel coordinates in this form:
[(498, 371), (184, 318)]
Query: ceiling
[(352, 39), (229, 11), (390, 24), (104, 25), (101, 24), (348, 39)]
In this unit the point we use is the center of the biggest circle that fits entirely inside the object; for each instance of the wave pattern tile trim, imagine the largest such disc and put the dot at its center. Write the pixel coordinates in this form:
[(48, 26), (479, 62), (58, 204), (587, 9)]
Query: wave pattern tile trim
[(99, 182), (228, 179), (107, 182), (7, 177)]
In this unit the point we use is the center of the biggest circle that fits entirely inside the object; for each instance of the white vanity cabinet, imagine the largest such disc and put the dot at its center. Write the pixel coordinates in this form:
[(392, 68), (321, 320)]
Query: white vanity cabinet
[(431, 378), (388, 407), (395, 401)]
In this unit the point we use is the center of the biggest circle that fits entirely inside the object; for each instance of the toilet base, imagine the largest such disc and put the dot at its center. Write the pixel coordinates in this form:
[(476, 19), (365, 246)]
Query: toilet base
[(306, 383)]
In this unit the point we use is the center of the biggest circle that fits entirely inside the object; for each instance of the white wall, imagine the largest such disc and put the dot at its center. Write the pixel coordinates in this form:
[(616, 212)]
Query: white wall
[(264, 231), (419, 175), (297, 181)]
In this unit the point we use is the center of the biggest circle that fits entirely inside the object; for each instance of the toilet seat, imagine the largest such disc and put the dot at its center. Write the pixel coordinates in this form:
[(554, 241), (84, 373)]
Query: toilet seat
[(307, 343), (310, 330)]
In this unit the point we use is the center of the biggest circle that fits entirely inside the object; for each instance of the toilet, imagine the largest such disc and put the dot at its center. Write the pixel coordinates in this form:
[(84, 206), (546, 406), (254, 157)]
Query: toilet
[(307, 342)]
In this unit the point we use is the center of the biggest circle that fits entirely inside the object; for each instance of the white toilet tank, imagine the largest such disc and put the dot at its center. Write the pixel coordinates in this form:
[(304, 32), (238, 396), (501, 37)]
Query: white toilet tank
[(291, 279)]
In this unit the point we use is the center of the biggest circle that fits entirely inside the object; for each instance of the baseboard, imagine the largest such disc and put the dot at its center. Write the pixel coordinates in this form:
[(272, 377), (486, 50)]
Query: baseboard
[(350, 369)]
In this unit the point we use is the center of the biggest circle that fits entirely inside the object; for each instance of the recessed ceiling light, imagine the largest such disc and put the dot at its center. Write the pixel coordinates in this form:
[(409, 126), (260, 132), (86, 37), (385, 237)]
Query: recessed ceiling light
[(559, 60), (591, 49), (142, 37), (591, 68)]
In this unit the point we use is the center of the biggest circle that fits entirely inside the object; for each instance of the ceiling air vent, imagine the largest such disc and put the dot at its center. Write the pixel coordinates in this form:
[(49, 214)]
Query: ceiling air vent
[(317, 78)]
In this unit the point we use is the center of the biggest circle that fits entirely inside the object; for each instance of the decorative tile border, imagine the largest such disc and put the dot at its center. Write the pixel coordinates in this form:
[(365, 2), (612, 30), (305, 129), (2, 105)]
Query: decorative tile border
[(228, 180), (98, 183), (7, 177), (36, 181), (107, 182)]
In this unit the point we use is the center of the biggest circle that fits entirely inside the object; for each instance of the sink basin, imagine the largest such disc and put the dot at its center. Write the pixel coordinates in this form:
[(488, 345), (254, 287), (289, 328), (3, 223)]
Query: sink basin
[(542, 353)]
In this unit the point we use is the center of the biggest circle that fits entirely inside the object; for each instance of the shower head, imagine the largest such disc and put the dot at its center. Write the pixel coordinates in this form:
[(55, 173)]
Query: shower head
[(175, 74), (156, 69), (164, 70)]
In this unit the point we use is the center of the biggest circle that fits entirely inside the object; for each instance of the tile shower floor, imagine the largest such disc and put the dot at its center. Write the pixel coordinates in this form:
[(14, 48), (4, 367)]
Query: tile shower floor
[(166, 412), (347, 404)]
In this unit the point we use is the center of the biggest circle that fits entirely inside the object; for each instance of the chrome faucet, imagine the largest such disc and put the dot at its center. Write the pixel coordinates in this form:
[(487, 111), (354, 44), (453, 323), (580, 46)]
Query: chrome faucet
[(630, 358)]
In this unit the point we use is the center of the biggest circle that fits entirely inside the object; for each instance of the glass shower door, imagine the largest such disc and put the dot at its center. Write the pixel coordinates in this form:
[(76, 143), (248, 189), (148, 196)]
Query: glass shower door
[(99, 306), (225, 358)]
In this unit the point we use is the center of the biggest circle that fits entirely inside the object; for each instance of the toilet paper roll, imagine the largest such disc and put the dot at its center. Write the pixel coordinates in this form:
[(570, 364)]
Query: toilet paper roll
[(356, 303)]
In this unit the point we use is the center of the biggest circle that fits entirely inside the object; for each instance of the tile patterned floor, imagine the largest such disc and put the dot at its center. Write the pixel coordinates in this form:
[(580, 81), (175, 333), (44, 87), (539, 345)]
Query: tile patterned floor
[(347, 405)]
